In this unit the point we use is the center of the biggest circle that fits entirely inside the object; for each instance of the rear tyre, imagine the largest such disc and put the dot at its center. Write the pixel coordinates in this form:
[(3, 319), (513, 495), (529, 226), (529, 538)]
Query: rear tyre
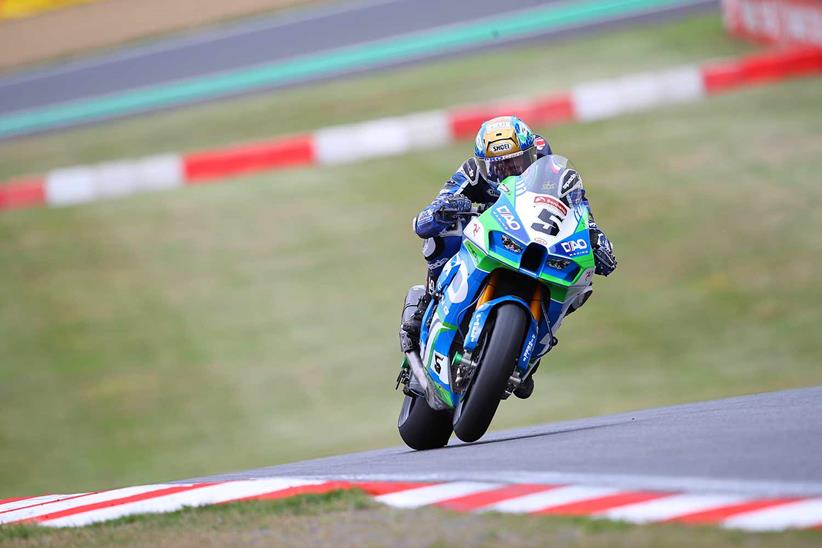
[(421, 427), (476, 410)]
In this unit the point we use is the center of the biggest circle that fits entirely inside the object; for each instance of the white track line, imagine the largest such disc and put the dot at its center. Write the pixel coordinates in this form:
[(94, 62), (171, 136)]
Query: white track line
[(103, 496), (668, 507), (214, 494), (548, 499), (630, 482), (800, 514), (34, 501), (421, 496)]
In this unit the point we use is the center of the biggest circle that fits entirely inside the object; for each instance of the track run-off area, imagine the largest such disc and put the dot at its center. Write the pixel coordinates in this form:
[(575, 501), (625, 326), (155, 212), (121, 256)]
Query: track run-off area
[(334, 145), (749, 462), (304, 46)]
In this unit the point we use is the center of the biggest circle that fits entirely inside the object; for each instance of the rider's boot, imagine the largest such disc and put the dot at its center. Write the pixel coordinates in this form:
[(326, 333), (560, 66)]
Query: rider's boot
[(410, 328), (580, 300)]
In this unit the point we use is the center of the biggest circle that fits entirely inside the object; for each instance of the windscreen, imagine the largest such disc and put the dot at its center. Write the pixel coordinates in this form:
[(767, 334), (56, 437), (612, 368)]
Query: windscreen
[(551, 175)]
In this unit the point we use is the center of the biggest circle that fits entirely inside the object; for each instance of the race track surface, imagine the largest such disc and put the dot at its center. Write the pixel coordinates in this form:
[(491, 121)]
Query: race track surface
[(268, 39), (765, 444)]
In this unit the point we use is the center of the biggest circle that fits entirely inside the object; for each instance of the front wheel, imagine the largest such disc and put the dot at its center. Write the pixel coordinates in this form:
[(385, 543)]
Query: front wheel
[(421, 427), (498, 359)]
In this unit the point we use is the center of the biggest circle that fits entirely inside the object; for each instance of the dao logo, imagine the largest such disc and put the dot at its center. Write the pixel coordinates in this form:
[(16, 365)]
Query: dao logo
[(575, 247), (508, 217), (504, 146)]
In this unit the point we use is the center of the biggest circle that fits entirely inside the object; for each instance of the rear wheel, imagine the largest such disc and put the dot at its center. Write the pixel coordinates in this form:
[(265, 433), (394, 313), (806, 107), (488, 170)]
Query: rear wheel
[(498, 359), (421, 427)]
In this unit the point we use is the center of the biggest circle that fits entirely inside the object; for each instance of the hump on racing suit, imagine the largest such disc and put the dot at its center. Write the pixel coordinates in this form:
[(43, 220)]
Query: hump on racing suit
[(443, 237), (466, 181)]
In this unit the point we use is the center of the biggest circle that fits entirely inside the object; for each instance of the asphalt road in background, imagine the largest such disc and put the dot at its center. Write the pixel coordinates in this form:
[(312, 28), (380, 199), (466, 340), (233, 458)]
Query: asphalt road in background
[(264, 40), (766, 444)]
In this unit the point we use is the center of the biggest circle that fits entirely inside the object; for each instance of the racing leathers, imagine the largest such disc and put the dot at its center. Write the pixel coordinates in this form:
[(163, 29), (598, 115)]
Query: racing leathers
[(443, 233), (466, 187)]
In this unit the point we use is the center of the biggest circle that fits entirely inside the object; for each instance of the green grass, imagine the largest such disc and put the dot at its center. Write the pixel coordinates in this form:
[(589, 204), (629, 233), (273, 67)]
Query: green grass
[(352, 519), (254, 322)]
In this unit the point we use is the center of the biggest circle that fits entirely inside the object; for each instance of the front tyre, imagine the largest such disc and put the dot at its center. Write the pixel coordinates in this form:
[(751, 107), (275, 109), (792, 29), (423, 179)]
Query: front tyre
[(499, 357), (421, 427)]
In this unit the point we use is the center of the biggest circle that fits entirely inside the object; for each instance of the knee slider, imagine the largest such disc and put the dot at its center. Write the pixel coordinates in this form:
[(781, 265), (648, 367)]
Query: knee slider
[(431, 247)]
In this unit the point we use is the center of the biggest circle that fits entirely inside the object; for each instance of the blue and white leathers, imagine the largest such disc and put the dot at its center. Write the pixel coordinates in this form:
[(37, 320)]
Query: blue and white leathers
[(464, 275)]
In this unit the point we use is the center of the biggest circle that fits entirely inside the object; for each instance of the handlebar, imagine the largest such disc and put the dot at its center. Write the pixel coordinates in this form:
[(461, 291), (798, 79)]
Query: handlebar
[(476, 209)]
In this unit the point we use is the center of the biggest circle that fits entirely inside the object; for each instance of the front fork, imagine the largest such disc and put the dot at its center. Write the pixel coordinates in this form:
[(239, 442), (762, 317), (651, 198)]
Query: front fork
[(465, 364), (489, 290)]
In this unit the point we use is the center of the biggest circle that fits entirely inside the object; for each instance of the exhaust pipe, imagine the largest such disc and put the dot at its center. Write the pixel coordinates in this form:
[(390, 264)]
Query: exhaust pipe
[(431, 397)]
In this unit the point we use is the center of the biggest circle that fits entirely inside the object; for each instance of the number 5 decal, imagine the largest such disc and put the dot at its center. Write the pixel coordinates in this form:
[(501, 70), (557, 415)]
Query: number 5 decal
[(551, 226)]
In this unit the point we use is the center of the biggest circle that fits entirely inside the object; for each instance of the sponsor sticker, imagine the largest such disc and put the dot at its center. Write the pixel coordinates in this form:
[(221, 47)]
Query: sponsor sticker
[(501, 147), (530, 348), (540, 143), (570, 179), (458, 288), (551, 201), (496, 126), (470, 169), (574, 248), (440, 367), (508, 218), (475, 330), (476, 232)]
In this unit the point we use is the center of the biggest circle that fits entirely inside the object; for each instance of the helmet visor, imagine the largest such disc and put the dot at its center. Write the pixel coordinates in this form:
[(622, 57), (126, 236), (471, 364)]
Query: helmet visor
[(497, 169)]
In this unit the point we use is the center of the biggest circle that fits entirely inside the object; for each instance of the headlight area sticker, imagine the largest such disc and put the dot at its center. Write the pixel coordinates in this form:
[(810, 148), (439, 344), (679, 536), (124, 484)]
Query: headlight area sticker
[(572, 247)]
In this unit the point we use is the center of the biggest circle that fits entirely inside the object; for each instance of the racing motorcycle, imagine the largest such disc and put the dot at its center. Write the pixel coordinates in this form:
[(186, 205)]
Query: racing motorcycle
[(497, 305)]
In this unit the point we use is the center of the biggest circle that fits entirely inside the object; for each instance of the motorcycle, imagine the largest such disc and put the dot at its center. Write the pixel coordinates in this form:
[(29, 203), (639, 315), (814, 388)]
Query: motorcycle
[(498, 304)]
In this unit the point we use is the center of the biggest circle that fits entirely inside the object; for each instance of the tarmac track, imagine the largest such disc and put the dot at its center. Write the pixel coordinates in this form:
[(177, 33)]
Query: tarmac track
[(284, 37), (766, 444)]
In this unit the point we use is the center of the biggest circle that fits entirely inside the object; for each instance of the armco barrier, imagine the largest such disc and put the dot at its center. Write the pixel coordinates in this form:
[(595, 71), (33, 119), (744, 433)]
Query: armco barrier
[(398, 135)]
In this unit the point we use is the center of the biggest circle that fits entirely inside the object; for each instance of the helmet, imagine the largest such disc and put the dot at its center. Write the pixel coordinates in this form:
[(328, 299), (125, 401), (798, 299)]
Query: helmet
[(504, 146)]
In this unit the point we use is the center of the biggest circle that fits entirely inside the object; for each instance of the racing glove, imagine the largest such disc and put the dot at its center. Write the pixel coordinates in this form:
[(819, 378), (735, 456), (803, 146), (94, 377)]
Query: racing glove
[(604, 260), (451, 204), (439, 216)]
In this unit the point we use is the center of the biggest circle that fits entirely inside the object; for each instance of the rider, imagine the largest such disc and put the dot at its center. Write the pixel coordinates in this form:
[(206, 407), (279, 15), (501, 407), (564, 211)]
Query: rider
[(504, 146)]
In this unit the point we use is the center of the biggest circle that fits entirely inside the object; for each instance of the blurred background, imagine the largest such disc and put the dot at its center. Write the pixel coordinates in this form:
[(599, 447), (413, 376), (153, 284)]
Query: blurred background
[(198, 330)]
